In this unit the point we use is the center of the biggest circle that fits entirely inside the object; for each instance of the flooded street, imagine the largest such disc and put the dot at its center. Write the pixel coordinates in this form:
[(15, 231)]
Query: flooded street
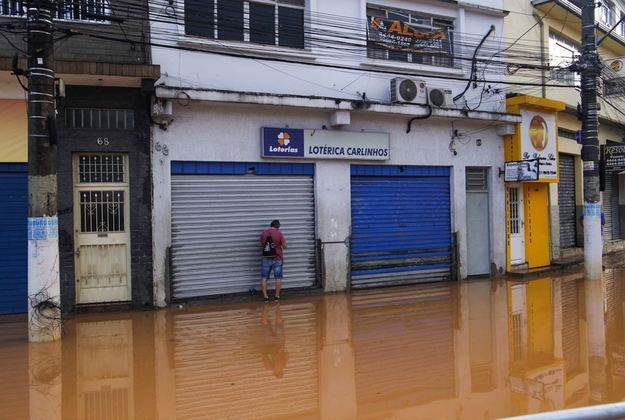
[(476, 349)]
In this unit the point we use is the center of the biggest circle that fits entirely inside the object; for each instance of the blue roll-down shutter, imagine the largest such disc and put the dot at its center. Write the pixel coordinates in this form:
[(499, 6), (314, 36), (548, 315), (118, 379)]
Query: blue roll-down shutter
[(401, 225), (13, 246)]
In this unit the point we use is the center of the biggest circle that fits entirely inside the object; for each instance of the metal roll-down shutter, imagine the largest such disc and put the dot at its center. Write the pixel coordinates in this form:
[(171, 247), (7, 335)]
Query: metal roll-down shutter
[(401, 225), (566, 202), (13, 235), (218, 211), (610, 207)]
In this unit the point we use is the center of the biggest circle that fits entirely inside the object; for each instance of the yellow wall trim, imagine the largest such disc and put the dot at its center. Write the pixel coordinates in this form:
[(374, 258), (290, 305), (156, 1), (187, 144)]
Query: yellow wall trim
[(515, 103)]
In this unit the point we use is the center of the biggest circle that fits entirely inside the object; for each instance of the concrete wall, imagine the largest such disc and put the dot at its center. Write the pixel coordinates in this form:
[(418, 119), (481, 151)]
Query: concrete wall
[(308, 77), (218, 132)]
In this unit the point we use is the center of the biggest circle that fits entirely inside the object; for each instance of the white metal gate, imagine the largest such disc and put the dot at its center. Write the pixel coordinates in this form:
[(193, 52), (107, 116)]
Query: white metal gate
[(101, 228), (217, 220), (517, 225)]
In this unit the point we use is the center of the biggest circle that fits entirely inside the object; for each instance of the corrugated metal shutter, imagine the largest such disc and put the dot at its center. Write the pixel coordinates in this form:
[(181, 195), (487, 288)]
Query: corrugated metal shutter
[(401, 225), (404, 346), (570, 327), (13, 246), (610, 207), (566, 202), (216, 222), (219, 362)]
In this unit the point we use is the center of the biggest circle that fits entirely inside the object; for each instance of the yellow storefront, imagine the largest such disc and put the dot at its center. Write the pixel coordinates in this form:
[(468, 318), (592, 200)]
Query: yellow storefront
[(534, 148)]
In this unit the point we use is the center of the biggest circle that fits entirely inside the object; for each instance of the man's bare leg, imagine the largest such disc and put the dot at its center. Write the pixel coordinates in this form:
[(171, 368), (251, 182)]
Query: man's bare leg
[(263, 287), (278, 285)]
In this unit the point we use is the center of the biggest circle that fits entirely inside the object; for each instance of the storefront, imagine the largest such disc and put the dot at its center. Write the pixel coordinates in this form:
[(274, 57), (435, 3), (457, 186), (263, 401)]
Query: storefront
[(614, 169), (363, 203), (401, 225), (104, 197), (532, 164), (218, 211)]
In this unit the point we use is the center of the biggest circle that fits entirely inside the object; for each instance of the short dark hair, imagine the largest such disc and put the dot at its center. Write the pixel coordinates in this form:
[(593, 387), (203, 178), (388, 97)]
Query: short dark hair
[(275, 223)]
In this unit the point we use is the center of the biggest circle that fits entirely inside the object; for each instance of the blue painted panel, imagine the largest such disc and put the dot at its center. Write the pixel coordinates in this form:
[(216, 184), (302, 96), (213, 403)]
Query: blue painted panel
[(13, 245), (403, 171), (400, 223), (240, 168)]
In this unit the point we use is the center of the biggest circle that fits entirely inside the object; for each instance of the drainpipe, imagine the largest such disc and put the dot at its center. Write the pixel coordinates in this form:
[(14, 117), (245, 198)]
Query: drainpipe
[(541, 24)]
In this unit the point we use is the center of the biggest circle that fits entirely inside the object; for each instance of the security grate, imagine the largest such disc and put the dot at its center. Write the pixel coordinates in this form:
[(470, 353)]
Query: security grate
[(514, 210), (102, 211), (101, 119), (101, 169)]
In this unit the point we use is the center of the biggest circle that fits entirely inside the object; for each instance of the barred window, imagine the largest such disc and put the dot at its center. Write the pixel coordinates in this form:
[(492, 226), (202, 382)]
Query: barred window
[(413, 37), (83, 10), (267, 22), (99, 119)]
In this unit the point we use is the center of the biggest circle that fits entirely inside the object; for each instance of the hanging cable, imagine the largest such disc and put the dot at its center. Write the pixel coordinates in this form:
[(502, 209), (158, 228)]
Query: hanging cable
[(474, 64)]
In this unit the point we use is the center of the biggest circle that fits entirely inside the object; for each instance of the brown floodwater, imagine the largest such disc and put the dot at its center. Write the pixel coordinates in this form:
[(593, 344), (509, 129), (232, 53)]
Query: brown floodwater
[(476, 349)]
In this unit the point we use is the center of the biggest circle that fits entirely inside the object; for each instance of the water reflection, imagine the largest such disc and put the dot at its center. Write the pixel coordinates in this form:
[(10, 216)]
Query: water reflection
[(272, 342), (484, 348)]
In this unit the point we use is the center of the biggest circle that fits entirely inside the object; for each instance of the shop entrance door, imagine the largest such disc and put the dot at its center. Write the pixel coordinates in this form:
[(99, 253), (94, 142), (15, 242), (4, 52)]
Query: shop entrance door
[(478, 223), (517, 225), (101, 228)]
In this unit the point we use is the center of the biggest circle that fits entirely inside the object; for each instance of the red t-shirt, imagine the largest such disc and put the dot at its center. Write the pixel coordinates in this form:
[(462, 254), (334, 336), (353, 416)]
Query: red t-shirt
[(278, 240)]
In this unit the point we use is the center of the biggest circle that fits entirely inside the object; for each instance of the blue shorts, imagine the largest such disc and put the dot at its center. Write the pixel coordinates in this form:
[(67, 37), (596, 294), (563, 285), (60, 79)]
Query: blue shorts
[(272, 264)]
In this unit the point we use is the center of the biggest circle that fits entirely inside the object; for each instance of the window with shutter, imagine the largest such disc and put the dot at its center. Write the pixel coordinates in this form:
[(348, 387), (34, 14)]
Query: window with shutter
[(266, 22)]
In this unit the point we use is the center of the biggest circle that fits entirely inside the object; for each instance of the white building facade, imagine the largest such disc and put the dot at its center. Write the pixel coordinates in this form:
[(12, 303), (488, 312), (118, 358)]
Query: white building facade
[(286, 110)]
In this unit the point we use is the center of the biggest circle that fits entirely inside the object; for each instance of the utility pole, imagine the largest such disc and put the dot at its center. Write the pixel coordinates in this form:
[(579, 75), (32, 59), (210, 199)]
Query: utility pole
[(589, 70), (44, 317)]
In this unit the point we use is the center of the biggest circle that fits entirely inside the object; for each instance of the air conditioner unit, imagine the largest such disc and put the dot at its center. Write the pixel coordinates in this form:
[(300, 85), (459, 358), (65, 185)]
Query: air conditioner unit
[(408, 91), (617, 65), (440, 98)]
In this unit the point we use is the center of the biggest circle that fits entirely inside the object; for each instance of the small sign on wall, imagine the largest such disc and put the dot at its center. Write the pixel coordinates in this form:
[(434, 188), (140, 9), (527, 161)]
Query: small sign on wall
[(324, 144), (522, 170), (614, 156)]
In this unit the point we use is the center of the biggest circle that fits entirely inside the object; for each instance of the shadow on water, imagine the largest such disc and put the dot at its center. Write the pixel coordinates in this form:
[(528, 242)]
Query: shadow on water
[(481, 348)]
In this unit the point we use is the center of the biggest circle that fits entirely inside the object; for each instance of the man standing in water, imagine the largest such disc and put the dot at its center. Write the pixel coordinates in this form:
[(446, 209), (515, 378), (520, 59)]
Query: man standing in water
[(273, 242)]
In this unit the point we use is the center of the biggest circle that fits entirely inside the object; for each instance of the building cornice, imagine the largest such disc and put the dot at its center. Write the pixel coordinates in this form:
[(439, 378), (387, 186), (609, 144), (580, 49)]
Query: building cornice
[(140, 71), (325, 103)]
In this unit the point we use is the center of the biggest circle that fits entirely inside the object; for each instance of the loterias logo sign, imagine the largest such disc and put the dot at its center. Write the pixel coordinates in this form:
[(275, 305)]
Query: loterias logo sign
[(283, 142), (324, 144)]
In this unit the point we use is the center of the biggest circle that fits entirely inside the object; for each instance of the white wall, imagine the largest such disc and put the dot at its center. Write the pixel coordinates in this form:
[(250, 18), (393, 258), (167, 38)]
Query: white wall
[(205, 70), (218, 132)]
